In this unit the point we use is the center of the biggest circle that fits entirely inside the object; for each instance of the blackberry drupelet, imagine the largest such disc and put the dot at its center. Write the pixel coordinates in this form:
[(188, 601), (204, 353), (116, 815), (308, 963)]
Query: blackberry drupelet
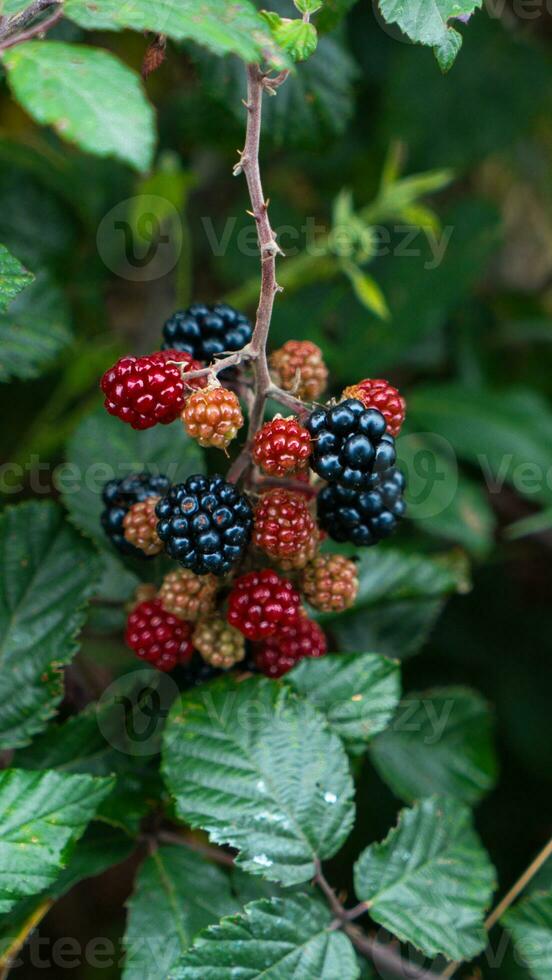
[(365, 517), (350, 444), (205, 524), (119, 496), (205, 331)]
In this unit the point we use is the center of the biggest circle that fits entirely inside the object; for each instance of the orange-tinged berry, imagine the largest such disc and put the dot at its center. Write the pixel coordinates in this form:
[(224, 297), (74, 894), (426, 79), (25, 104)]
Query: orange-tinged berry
[(140, 527), (213, 417)]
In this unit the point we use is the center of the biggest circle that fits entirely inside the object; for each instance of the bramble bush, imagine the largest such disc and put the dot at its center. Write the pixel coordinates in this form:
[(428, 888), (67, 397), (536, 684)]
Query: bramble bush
[(225, 515)]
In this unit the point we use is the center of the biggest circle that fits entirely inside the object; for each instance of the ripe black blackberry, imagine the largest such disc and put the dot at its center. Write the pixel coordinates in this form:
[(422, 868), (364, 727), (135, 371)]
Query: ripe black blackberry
[(364, 517), (119, 496), (350, 444), (205, 331), (205, 524)]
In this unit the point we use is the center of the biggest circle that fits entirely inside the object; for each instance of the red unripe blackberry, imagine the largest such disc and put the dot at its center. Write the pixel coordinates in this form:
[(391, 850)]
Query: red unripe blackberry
[(144, 391), (261, 603), (299, 366), (158, 637), (377, 393), (283, 525), (187, 366), (213, 417), (330, 583), (282, 446), (292, 643)]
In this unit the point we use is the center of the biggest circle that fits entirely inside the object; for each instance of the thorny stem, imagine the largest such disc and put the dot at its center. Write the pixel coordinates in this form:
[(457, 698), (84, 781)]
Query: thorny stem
[(255, 353), (248, 164), (12, 29)]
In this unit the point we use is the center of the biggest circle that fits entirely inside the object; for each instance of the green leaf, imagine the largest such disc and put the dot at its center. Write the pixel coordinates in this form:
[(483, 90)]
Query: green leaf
[(33, 331), (278, 939), (426, 22), (99, 741), (47, 574), (357, 693), (88, 96), (297, 37), (258, 769), (13, 278), (221, 26), (177, 894), (308, 6), (448, 49), (41, 817), (530, 925), (366, 290), (441, 742), (507, 435), (100, 848), (430, 881), (534, 524), (103, 448), (400, 597)]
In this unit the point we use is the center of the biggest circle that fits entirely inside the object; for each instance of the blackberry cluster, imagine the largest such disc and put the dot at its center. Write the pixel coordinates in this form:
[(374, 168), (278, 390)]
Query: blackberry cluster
[(363, 517), (223, 606), (350, 444), (205, 331), (205, 524), (119, 496)]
